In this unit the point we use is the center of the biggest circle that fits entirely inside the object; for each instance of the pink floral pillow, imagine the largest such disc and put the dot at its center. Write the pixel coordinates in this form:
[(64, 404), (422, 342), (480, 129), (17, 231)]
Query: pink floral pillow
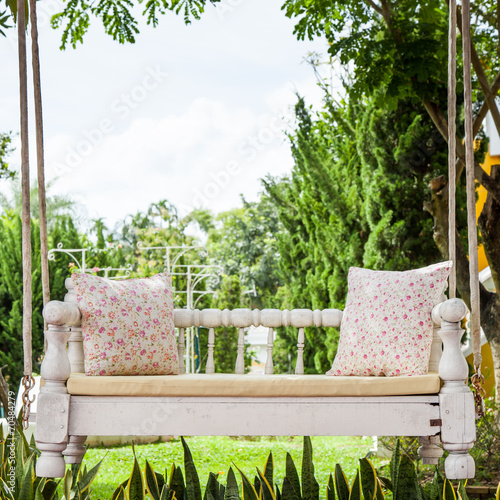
[(386, 327), (128, 325)]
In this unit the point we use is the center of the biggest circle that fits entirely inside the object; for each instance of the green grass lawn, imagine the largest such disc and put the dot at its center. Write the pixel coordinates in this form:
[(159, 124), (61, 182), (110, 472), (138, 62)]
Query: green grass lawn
[(217, 454)]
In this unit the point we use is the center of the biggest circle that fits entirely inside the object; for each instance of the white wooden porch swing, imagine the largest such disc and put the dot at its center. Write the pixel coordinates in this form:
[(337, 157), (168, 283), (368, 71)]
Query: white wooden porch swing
[(437, 406)]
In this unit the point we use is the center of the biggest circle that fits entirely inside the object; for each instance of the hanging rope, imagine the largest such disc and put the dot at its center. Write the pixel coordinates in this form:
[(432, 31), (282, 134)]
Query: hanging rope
[(42, 206), (27, 381), (477, 378), (452, 146)]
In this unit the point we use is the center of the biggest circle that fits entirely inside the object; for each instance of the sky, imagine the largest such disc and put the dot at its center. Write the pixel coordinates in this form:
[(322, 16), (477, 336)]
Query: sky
[(193, 114)]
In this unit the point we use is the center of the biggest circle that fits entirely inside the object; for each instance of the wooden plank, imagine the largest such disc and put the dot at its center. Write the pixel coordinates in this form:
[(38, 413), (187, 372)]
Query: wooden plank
[(251, 417)]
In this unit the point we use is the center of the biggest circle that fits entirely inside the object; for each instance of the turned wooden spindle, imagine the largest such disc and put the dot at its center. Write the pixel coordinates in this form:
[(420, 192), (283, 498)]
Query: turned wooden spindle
[(458, 431)]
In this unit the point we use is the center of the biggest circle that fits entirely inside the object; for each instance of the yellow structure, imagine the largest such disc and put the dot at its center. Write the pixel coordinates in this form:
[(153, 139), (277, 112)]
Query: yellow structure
[(487, 364)]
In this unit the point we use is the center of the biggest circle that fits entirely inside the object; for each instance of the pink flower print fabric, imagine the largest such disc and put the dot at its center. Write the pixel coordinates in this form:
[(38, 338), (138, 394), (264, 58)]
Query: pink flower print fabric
[(128, 325), (386, 326)]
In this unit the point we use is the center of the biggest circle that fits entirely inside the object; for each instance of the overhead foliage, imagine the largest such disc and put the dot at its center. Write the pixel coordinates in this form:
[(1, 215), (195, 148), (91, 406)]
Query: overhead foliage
[(117, 17)]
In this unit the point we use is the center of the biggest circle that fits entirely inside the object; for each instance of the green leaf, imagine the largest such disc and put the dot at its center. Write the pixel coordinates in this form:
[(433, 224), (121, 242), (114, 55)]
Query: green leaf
[(310, 487), (497, 496), (232, 491), (356, 488), (292, 475), (448, 491), (288, 491), (269, 470), (395, 460), (341, 484), (123, 487), (5, 490), (26, 492), (176, 483), (193, 488), (152, 485), (407, 480), (121, 494), (248, 490), (88, 478), (212, 487), (330, 489), (267, 490), (49, 489), (368, 478), (135, 486), (462, 492), (164, 493), (68, 484)]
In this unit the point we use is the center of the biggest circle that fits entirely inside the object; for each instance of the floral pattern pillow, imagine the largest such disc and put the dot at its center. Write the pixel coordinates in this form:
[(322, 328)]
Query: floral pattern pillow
[(386, 327), (128, 325)]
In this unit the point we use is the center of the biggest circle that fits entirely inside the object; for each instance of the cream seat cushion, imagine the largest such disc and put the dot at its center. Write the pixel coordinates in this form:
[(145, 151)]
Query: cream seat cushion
[(230, 385)]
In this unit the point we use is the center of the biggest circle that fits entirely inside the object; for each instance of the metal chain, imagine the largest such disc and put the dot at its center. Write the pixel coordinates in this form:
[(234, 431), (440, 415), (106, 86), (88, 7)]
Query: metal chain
[(477, 381), (28, 383)]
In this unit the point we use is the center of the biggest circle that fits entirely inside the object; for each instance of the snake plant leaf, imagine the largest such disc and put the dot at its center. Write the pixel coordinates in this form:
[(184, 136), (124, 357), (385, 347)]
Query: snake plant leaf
[(5, 490), (209, 496), (27, 492), (122, 495), (406, 480), (379, 495), (232, 491), (310, 487), (257, 486), (269, 470), (341, 484), (461, 491), (292, 475), (288, 491), (160, 480), (248, 490), (433, 490), (176, 484), (267, 489), (88, 477), (135, 485), (497, 496), (117, 491), (68, 484), (277, 492), (164, 493), (222, 492), (48, 489), (330, 489), (152, 485), (212, 487), (448, 491), (395, 461), (368, 478), (193, 487), (386, 483), (356, 488)]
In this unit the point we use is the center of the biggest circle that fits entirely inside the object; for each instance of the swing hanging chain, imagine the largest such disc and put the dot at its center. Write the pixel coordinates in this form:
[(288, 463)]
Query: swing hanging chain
[(28, 383), (477, 381)]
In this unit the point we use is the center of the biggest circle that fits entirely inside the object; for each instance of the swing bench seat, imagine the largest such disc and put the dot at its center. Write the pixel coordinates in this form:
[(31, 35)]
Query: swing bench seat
[(437, 407)]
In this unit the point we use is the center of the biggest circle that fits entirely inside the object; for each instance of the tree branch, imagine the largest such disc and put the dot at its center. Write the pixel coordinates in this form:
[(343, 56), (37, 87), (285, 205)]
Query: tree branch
[(481, 176), (376, 7), (481, 115)]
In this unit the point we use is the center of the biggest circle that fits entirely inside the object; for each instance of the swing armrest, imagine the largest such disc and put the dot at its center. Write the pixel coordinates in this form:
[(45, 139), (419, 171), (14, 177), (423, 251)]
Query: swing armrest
[(451, 311), (59, 313)]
